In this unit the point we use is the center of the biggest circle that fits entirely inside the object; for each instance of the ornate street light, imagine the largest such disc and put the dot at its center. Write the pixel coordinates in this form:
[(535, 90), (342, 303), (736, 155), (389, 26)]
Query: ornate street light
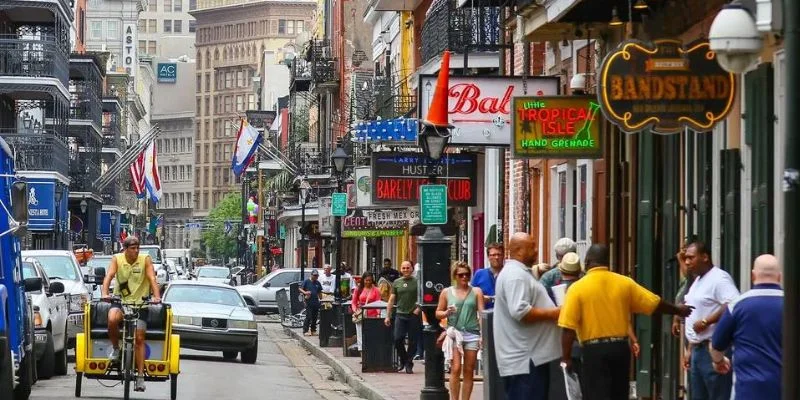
[(84, 205), (339, 159), (303, 198), (433, 140)]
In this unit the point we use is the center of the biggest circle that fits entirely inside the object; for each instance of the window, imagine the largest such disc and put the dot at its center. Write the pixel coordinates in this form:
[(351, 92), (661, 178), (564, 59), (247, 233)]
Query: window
[(199, 83), (143, 46), (208, 107), (192, 5), (199, 106), (168, 5), (192, 26), (178, 26), (151, 47), (152, 25), (178, 5), (290, 27), (96, 29), (300, 26), (142, 25), (281, 26), (240, 79), (167, 26), (183, 145), (251, 103), (208, 81), (240, 103), (228, 106), (197, 174), (112, 30), (229, 80)]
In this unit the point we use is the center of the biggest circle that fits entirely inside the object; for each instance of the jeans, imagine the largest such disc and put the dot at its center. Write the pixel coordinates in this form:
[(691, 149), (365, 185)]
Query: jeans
[(312, 312), (707, 384), (534, 385), (605, 371), (406, 325)]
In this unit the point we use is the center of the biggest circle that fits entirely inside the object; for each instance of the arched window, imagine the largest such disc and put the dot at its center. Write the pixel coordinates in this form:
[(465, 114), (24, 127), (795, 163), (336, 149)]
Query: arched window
[(199, 59), (225, 53), (216, 54)]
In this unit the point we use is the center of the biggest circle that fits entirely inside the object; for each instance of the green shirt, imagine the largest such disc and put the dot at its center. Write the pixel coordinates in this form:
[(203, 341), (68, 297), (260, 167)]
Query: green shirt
[(405, 291), (465, 318), (135, 276)]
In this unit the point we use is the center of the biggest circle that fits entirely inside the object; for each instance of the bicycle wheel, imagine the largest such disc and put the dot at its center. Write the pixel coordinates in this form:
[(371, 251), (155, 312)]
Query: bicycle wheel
[(127, 368)]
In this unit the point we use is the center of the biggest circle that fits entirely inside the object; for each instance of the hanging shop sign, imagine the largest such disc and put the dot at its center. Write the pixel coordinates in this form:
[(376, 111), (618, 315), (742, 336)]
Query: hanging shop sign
[(130, 60), (664, 86), (325, 217), (41, 205), (397, 214), (556, 127), (479, 108), (396, 178), (104, 232), (363, 186), (357, 225)]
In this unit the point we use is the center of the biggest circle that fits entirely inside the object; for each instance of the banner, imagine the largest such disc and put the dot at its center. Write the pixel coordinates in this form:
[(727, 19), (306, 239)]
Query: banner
[(41, 206)]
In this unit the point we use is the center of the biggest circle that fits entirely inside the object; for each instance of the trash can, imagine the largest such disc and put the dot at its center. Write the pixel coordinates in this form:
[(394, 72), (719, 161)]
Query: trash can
[(377, 350), (348, 331), (327, 320), (297, 300), (492, 383)]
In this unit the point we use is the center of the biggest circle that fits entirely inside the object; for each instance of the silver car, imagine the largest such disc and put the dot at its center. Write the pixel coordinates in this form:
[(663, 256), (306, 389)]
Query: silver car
[(261, 294), (220, 275), (213, 317)]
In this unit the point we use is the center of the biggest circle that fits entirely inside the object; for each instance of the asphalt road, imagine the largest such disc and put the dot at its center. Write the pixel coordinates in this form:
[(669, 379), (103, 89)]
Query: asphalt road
[(284, 370)]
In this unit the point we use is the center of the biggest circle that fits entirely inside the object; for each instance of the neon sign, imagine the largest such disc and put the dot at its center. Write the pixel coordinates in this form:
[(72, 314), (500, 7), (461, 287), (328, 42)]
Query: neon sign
[(556, 127)]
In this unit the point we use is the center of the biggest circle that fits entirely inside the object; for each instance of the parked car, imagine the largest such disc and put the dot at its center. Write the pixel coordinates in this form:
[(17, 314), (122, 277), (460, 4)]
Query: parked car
[(154, 251), (261, 294), (62, 266), (101, 261), (220, 275), (51, 310), (212, 317)]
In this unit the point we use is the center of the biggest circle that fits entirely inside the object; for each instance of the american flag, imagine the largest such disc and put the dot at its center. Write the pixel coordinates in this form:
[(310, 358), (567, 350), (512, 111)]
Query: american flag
[(137, 175)]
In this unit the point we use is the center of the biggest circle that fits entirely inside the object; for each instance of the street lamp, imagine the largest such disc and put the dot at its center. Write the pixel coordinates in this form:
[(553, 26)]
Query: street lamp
[(433, 140), (84, 205), (303, 198), (339, 159)]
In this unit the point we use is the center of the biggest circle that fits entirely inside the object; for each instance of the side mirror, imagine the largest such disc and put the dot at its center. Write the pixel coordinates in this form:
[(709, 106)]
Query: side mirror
[(267, 284), (19, 202), (253, 309), (99, 274), (33, 284), (56, 287)]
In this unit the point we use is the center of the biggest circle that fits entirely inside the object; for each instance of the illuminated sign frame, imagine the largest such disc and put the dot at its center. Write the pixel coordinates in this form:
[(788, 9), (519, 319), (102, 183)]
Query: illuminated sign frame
[(572, 124), (664, 87)]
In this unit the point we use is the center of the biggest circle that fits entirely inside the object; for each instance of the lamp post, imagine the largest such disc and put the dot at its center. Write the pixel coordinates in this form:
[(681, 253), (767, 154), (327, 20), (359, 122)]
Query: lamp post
[(339, 159), (57, 235), (303, 198)]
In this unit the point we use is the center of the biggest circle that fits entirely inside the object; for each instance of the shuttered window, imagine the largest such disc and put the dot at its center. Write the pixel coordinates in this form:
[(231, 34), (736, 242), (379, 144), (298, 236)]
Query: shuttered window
[(759, 135)]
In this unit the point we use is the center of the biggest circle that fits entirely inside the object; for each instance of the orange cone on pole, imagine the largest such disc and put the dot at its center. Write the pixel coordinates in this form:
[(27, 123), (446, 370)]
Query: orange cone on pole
[(437, 112)]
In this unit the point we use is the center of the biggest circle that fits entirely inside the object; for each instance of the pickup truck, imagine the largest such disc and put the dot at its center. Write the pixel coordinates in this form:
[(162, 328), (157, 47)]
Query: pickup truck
[(50, 312), (17, 364)]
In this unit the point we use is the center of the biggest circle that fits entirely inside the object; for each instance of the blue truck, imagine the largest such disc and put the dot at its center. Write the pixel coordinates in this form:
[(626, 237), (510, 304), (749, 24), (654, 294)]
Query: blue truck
[(17, 359)]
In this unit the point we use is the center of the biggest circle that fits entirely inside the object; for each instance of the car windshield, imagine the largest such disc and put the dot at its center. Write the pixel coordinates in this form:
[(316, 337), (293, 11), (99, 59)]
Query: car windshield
[(28, 270), (203, 294), (95, 262), (153, 252), (59, 267), (213, 273)]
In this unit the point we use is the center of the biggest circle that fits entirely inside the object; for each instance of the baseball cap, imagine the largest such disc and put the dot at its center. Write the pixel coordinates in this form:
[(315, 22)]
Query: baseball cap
[(570, 264), (314, 272)]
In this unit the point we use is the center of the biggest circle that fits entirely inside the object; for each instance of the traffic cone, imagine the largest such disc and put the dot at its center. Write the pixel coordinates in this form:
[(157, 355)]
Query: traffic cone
[(437, 112)]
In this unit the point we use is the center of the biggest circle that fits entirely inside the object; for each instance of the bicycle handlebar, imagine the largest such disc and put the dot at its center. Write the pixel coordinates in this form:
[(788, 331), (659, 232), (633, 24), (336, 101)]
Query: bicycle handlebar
[(118, 300)]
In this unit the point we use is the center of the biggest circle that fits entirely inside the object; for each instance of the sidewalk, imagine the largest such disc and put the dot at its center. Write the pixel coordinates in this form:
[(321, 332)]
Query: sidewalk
[(371, 385)]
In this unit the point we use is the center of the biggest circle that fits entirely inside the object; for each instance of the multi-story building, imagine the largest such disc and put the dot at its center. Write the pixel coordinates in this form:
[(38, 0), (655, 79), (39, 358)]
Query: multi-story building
[(112, 26), (166, 29), (173, 111), (232, 37)]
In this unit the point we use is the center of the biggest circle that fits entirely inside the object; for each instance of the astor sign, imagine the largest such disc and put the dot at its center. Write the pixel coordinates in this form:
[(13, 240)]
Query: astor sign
[(479, 108)]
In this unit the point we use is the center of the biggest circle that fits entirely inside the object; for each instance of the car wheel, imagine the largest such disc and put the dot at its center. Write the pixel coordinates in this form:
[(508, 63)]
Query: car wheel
[(45, 367), (250, 355), (6, 370), (61, 358), (230, 355)]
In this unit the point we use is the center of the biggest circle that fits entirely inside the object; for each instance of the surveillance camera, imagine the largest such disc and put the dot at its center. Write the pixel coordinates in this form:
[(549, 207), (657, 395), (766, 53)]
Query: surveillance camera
[(578, 82), (735, 38)]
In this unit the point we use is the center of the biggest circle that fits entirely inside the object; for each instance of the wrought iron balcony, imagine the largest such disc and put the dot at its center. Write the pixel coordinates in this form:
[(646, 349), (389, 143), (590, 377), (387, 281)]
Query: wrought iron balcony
[(301, 75), (82, 174), (323, 64), (85, 81), (112, 137), (42, 152), (448, 27), (111, 194), (34, 53)]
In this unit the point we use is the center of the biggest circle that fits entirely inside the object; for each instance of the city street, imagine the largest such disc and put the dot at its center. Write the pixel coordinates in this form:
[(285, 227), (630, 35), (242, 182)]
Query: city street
[(283, 367)]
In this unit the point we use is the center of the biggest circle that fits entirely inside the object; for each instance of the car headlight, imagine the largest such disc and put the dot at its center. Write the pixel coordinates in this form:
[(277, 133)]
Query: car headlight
[(37, 320), (239, 324), (181, 320)]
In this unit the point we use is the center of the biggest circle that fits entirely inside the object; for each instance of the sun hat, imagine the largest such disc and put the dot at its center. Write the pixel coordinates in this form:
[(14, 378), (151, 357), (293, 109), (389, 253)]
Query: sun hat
[(570, 264)]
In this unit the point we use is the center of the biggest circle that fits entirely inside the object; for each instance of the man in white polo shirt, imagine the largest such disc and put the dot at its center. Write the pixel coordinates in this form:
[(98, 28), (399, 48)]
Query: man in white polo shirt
[(710, 294), (526, 337)]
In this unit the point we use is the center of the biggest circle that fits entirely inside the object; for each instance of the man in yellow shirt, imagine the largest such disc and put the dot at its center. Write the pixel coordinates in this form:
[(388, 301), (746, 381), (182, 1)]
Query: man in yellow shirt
[(136, 279), (597, 312)]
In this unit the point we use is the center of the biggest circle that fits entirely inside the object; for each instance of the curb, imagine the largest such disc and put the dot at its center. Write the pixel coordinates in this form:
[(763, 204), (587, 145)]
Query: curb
[(354, 380)]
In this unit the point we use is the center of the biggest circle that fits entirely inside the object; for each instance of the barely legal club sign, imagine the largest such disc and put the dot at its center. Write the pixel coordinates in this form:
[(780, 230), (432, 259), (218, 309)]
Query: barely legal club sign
[(664, 86), (396, 178), (556, 127)]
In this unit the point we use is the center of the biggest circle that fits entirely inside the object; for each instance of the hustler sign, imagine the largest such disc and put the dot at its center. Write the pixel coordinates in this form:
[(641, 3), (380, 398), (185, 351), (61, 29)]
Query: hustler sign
[(665, 87), (396, 178)]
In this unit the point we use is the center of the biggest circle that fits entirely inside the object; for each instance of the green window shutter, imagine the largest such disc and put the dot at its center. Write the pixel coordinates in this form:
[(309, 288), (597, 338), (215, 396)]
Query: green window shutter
[(759, 128), (705, 170), (645, 253), (731, 208)]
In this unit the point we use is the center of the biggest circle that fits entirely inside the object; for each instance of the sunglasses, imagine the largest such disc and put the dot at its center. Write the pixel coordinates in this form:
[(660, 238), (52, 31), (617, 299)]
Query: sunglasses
[(463, 275)]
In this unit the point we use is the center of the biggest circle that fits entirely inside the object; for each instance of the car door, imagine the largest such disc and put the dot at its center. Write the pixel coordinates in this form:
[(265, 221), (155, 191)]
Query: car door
[(59, 308), (280, 281)]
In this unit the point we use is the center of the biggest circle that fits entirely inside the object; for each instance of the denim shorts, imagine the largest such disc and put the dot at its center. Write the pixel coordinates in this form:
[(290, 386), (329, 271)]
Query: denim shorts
[(471, 341)]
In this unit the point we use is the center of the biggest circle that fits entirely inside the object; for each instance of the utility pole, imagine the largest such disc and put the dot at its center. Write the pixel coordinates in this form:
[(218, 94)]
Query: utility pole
[(791, 189)]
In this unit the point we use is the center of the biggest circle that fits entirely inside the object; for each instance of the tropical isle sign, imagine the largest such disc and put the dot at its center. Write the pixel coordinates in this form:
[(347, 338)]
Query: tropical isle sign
[(556, 127), (664, 86)]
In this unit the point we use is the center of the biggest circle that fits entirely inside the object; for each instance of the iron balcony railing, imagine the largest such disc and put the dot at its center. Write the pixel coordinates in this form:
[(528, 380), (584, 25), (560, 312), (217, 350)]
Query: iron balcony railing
[(111, 194), (85, 104), (83, 173), (448, 27), (112, 137), (36, 57), (37, 152)]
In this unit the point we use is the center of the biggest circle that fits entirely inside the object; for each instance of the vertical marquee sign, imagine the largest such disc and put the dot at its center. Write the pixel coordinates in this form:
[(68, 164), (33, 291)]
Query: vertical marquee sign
[(664, 87), (130, 60), (556, 127)]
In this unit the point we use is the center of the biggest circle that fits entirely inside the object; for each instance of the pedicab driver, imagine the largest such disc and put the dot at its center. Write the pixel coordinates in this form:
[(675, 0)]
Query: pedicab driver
[(135, 279)]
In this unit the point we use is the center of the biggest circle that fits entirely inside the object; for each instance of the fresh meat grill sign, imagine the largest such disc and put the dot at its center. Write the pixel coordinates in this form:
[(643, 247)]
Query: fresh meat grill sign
[(398, 176)]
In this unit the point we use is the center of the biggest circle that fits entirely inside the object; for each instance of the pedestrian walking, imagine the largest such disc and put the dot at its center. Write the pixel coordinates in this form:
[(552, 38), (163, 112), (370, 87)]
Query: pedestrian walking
[(563, 246), (407, 321), (526, 338), (461, 304), (388, 272), (713, 289), (753, 326), (327, 280), (486, 278), (365, 293), (312, 290), (597, 311)]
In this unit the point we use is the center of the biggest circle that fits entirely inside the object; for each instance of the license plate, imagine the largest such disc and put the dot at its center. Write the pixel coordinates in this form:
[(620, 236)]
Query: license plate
[(41, 338), (76, 319)]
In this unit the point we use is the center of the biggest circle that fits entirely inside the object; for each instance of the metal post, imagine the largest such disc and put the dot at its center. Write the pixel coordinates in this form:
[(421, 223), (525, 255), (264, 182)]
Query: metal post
[(242, 236), (337, 238), (303, 244), (430, 247), (259, 238), (791, 188)]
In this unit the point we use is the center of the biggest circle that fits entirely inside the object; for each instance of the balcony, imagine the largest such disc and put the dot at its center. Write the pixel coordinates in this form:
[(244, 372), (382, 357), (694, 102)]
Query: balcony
[(460, 30), (33, 52), (82, 174), (85, 86), (112, 138), (112, 194), (300, 75), (323, 64), (43, 152)]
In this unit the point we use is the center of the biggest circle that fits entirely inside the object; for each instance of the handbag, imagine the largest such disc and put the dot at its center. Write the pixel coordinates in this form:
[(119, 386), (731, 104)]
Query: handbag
[(358, 315)]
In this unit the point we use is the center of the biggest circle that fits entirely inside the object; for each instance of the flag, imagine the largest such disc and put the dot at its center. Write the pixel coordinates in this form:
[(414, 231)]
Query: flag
[(247, 141), (151, 179), (137, 175)]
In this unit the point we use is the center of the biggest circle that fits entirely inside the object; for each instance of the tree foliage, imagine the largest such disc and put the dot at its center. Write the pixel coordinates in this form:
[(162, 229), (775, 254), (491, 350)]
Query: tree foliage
[(216, 241)]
